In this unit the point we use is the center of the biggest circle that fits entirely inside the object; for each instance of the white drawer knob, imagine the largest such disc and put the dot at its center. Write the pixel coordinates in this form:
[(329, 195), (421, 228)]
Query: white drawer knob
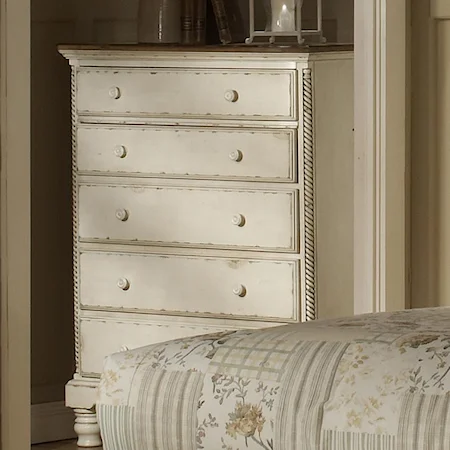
[(123, 284), (124, 348), (238, 220), (122, 214), (240, 290), (114, 92), (236, 155), (231, 96), (120, 151)]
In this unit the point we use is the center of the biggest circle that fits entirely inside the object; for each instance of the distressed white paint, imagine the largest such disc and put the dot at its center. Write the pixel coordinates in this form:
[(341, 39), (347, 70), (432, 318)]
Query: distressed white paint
[(178, 215), (188, 152), (187, 92), (178, 234), (194, 285)]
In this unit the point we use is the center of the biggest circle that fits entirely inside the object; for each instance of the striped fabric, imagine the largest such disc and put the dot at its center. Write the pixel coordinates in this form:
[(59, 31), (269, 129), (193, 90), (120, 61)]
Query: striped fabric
[(371, 382), (426, 422), (164, 396), (342, 440), (119, 426), (306, 387)]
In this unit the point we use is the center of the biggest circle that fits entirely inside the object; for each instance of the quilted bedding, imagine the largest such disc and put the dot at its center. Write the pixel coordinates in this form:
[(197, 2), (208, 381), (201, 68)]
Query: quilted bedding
[(370, 382)]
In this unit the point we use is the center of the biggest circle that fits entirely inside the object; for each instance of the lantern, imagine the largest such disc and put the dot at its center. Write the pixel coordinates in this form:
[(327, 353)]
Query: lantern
[(281, 21)]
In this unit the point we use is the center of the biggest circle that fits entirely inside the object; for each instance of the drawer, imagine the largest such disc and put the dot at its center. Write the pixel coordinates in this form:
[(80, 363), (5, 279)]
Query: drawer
[(226, 154), (237, 288), (182, 216), (103, 336), (213, 93)]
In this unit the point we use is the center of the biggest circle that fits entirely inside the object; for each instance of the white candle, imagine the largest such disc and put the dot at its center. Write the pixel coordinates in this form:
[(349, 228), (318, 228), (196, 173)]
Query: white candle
[(283, 15)]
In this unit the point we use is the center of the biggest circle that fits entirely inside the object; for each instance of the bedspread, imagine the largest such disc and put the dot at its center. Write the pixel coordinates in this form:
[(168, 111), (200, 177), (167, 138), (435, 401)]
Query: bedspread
[(370, 382)]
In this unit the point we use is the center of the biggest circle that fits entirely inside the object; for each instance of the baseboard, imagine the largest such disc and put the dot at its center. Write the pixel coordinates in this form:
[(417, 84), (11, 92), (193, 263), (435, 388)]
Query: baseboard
[(51, 422)]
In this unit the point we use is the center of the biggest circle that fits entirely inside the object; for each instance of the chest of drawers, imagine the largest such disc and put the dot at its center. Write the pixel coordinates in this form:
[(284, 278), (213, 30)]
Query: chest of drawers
[(199, 204)]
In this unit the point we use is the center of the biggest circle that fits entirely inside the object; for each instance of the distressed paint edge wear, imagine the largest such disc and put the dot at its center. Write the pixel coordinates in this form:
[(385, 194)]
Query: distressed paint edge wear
[(308, 307), (309, 235)]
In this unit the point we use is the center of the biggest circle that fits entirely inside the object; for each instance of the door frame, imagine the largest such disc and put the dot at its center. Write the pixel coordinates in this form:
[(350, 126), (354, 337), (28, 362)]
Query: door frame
[(381, 164), (15, 223), (382, 156)]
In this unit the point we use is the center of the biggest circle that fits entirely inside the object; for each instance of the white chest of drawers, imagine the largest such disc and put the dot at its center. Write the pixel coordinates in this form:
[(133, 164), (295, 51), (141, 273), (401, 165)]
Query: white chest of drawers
[(195, 194)]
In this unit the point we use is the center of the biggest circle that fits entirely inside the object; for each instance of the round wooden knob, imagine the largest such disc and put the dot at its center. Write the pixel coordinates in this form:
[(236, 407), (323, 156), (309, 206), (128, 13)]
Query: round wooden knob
[(240, 290), (120, 151), (122, 215), (236, 155), (114, 92), (231, 96), (238, 220), (123, 284)]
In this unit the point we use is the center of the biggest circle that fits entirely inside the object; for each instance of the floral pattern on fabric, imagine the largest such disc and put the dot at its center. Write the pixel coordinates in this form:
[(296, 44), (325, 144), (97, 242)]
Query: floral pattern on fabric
[(246, 413), (376, 381)]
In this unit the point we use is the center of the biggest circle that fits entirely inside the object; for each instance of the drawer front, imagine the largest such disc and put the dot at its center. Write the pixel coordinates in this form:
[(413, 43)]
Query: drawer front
[(102, 337), (187, 93), (222, 218), (182, 152), (238, 288)]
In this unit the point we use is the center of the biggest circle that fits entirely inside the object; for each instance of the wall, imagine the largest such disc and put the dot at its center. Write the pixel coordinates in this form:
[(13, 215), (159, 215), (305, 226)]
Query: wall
[(341, 11), (425, 236), (431, 154), (442, 165), (115, 21), (52, 22)]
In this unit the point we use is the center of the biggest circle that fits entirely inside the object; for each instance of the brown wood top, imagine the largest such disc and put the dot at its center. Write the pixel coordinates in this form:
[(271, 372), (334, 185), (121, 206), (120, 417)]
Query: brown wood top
[(240, 48)]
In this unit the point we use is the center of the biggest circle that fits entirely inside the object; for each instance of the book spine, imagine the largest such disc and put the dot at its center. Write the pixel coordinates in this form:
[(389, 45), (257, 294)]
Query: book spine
[(187, 22), (200, 22), (220, 12)]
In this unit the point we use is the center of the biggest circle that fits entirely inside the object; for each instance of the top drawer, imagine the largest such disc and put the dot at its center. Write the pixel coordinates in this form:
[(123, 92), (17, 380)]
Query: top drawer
[(261, 95)]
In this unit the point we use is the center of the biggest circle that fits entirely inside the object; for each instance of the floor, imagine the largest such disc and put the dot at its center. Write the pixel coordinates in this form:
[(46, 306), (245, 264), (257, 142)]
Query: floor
[(64, 445)]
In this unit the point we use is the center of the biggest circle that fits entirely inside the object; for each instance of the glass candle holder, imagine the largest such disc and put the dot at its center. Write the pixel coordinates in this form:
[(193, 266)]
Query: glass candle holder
[(283, 22), (283, 15)]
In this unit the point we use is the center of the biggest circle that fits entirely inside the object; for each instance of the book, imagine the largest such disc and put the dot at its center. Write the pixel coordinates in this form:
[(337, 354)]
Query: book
[(231, 19), (200, 22), (187, 21), (193, 22)]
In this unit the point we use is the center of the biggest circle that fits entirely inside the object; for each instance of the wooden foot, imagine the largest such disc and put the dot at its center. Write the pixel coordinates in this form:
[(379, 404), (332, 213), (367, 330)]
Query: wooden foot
[(87, 429)]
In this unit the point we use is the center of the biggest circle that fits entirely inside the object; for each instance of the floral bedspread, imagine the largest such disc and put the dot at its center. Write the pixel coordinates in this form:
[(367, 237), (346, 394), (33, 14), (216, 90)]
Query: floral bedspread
[(370, 382)]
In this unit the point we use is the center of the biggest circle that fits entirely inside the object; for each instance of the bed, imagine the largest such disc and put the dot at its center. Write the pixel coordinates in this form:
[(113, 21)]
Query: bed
[(369, 382)]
